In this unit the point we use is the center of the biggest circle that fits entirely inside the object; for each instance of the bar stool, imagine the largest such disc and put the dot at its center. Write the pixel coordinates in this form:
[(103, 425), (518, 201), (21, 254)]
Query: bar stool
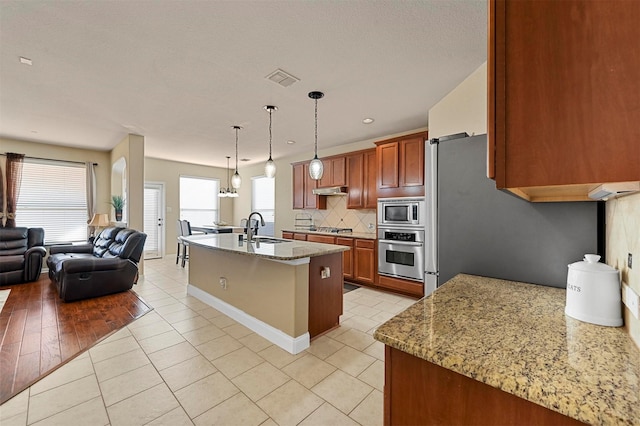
[(184, 230)]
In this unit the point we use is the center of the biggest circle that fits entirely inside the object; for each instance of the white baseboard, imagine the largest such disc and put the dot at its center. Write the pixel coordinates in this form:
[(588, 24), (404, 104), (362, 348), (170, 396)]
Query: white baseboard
[(290, 344)]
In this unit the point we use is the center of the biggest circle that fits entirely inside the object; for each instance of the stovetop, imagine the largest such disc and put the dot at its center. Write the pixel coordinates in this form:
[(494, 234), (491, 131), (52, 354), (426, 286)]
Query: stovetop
[(332, 230)]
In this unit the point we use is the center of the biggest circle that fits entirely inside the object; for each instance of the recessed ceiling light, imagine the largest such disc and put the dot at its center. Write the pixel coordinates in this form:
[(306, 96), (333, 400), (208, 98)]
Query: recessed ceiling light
[(368, 120), (290, 142), (245, 159), (25, 61)]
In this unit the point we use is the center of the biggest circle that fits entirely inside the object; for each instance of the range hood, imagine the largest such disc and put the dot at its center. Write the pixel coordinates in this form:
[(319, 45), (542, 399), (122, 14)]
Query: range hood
[(332, 190), (612, 190)]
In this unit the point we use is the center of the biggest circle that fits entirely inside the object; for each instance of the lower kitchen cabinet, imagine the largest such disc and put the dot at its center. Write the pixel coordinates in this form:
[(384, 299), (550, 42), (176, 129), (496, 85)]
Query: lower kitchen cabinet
[(365, 265), (347, 256), (418, 392)]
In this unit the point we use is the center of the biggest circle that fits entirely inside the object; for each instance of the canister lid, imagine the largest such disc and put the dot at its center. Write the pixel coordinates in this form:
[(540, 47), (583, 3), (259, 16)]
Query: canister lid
[(591, 264)]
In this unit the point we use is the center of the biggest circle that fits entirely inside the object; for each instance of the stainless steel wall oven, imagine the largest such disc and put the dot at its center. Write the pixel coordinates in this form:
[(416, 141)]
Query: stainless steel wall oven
[(401, 252)]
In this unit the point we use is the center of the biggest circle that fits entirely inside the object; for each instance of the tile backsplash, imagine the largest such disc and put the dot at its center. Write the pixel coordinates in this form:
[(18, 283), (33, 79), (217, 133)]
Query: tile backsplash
[(337, 215), (623, 237)]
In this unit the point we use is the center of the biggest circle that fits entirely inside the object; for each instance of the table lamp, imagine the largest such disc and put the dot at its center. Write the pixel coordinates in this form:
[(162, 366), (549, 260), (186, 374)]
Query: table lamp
[(99, 220)]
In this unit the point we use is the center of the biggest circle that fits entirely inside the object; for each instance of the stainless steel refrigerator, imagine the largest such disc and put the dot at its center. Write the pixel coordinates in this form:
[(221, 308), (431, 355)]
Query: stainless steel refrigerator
[(474, 228)]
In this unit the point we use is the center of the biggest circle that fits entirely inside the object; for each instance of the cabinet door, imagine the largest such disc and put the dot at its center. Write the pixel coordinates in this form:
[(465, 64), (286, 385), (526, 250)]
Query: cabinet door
[(312, 201), (563, 92), (370, 185), (347, 256), (355, 176), (388, 161), (365, 261), (412, 162), (334, 173), (300, 237), (298, 186)]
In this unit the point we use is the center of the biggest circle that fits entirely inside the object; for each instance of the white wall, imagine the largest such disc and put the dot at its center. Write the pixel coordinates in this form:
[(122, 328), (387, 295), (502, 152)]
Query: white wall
[(464, 109)]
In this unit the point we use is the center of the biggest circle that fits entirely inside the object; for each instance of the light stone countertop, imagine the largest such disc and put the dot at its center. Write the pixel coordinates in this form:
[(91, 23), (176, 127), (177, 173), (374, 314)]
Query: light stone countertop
[(362, 235), (516, 337), (286, 250)]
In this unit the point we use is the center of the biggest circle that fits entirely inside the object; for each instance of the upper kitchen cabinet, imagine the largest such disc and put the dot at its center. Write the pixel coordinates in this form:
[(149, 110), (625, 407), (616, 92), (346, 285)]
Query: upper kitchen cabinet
[(303, 185), (334, 172), (400, 166), (564, 109), (361, 179)]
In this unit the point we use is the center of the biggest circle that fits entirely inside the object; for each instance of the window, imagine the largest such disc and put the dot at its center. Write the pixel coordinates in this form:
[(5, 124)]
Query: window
[(53, 196), (263, 200), (199, 200)]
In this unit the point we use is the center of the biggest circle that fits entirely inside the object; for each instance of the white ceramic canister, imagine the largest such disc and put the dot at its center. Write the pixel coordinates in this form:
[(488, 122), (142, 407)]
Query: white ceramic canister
[(593, 292)]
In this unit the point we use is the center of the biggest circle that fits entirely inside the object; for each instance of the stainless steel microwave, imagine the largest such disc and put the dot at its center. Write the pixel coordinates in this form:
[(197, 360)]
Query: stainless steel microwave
[(401, 211)]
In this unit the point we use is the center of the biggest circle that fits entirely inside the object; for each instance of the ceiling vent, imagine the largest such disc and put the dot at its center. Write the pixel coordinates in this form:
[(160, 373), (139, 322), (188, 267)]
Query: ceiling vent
[(283, 78)]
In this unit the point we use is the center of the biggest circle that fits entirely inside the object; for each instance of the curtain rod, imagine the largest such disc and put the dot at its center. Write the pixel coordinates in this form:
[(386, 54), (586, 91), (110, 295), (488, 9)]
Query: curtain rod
[(51, 159)]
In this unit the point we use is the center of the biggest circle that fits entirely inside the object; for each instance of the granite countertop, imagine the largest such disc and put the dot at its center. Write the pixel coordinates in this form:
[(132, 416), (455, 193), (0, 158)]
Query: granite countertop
[(285, 250), (516, 337), (362, 235)]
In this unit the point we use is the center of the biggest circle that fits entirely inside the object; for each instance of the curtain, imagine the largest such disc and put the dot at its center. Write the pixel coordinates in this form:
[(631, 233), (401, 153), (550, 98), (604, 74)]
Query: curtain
[(14, 177), (91, 194), (1, 199)]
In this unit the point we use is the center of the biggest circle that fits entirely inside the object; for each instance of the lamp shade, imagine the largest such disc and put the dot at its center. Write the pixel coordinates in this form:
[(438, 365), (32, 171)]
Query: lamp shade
[(100, 220), (316, 168), (270, 168)]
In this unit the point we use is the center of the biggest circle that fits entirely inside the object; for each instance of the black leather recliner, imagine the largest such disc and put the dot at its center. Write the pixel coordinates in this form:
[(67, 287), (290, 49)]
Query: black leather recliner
[(108, 265), (21, 254)]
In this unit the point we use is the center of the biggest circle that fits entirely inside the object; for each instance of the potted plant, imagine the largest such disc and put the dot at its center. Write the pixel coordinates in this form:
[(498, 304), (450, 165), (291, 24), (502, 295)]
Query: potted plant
[(118, 204)]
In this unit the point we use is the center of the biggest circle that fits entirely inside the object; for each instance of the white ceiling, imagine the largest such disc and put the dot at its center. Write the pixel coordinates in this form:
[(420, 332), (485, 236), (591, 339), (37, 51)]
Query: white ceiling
[(181, 73)]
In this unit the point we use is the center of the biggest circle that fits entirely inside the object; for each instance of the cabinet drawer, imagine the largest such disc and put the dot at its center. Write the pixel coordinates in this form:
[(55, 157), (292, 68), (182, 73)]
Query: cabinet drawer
[(370, 244), (321, 239), (287, 235), (301, 237), (344, 241), (412, 288)]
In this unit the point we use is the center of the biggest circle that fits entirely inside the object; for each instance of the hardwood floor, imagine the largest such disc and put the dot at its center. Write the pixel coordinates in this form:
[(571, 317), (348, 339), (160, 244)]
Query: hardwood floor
[(40, 332)]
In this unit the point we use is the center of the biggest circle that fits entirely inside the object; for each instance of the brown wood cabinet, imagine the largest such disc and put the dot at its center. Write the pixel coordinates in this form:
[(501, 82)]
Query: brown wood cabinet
[(365, 262), (325, 294), (361, 179), (400, 166), (347, 256), (563, 96), (287, 235), (418, 392), (334, 172), (303, 186)]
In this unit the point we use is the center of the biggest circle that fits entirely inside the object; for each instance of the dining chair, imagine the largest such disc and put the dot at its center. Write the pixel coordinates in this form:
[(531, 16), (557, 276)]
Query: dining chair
[(185, 232)]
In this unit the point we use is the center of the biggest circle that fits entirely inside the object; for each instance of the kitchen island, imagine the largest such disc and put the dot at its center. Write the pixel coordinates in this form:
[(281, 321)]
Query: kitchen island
[(488, 351), (286, 291)]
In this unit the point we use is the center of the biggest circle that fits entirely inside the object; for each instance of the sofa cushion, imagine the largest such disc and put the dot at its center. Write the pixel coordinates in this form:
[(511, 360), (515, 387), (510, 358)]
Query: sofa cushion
[(105, 240), (11, 263), (13, 241)]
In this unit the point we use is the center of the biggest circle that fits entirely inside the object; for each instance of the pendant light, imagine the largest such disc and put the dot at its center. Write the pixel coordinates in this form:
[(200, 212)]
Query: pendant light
[(270, 166), (316, 167), (236, 180), (225, 192)]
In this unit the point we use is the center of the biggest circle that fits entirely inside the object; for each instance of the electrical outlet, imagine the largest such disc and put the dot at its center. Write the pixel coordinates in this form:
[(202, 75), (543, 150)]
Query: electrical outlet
[(325, 272), (223, 283), (631, 300), (629, 260)]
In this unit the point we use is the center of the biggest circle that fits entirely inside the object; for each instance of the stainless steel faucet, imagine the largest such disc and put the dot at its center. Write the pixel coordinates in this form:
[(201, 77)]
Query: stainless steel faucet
[(250, 228)]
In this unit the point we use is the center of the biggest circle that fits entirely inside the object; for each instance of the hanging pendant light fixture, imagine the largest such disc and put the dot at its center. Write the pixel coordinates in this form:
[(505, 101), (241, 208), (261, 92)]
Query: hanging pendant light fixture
[(270, 166), (225, 192), (315, 166), (236, 180)]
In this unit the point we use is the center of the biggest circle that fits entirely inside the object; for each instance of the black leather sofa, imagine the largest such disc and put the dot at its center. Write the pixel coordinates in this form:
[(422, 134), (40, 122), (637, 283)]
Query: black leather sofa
[(21, 254), (108, 265)]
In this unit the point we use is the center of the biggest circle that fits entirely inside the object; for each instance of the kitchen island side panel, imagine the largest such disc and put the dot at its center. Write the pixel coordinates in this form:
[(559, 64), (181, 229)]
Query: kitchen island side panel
[(271, 291)]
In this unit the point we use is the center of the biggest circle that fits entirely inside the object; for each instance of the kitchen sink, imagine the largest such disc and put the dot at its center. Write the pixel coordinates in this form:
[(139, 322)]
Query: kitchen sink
[(268, 240)]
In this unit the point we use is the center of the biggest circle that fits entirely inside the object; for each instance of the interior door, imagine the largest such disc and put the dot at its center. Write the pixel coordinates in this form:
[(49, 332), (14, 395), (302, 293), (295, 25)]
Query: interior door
[(154, 220)]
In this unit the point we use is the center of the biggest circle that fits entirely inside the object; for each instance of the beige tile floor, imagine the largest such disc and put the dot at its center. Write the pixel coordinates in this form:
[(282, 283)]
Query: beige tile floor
[(186, 363)]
